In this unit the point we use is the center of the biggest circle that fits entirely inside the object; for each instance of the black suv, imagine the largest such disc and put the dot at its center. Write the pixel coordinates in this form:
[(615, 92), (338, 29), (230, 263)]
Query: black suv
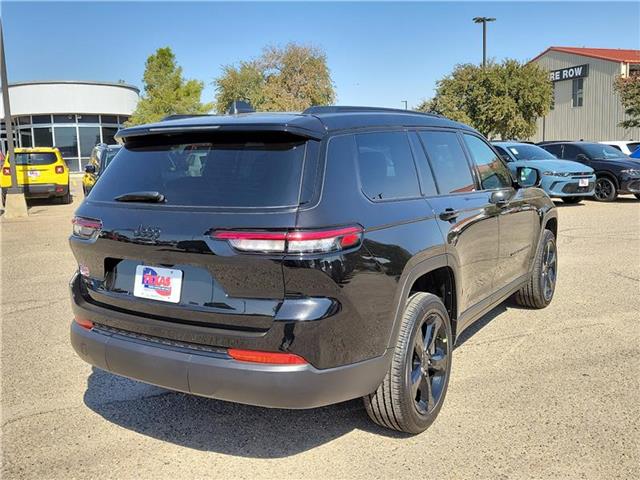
[(615, 172), (299, 260)]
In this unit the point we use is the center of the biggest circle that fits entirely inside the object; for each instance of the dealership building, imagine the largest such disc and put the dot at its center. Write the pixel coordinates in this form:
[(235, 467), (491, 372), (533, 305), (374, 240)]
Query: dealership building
[(73, 116), (586, 107)]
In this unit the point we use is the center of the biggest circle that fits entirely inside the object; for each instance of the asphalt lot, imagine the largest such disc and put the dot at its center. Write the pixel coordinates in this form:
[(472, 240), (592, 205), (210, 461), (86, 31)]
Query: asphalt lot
[(534, 394)]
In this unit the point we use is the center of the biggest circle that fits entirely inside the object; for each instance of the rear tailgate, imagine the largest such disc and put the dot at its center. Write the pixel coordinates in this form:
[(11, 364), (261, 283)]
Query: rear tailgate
[(143, 249)]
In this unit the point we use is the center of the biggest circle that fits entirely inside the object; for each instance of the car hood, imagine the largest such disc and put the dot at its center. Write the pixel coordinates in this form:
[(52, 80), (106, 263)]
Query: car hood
[(554, 166), (623, 162)]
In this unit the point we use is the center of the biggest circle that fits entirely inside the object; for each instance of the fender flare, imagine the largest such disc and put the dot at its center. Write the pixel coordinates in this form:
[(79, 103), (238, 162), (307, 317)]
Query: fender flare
[(407, 279)]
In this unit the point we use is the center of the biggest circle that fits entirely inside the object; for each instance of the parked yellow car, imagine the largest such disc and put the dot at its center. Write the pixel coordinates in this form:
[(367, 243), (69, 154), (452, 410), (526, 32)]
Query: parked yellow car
[(41, 171)]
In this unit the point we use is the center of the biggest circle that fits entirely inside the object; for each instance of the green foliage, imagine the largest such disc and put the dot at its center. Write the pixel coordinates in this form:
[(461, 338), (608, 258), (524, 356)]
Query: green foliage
[(166, 92), (501, 100), (629, 90), (281, 79)]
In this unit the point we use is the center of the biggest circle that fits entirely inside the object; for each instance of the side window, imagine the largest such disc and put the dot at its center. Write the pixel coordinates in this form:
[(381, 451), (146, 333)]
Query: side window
[(503, 153), (426, 177), (570, 152), (386, 166), (493, 173), (554, 150), (450, 167)]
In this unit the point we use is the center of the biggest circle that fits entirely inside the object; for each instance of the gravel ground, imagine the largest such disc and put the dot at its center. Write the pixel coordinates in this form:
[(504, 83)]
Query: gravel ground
[(534, 394)]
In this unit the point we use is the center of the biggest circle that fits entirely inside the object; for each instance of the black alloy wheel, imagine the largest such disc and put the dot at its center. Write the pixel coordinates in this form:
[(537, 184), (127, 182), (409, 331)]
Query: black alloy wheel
[(549, 270), (605, 190), (428, 369)]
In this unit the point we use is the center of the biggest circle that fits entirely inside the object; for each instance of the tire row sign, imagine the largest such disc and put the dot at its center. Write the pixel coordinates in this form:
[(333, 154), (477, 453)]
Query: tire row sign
[(579, 71)]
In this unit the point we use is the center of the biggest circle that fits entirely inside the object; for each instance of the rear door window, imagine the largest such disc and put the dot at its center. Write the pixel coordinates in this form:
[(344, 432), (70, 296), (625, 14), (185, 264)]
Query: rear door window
[(247, 173), (386, 166), (493, 173), (450, 167), (46, 158)]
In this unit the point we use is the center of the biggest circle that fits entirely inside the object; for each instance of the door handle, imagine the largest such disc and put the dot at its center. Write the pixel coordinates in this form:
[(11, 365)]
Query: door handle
[(449, 214)]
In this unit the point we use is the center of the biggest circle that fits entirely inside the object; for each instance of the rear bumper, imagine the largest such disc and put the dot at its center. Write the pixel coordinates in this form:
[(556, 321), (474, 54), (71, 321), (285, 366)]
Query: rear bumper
[(214, 374), (45, 190)]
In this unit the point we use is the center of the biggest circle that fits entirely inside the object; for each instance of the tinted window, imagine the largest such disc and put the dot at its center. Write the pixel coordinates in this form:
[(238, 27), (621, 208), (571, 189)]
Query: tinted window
[(35, 158), (570, 152), (108, 134), (493, 173), (64, 118), (449, 164), (242, 173), (598, 151), (426, 176), (502, 152), (386, 166), (42, 137), (554, 149), (107, 156), (633, 146)]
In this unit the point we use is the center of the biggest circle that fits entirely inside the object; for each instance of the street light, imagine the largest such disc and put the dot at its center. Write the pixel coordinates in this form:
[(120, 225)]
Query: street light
[(483, 21)]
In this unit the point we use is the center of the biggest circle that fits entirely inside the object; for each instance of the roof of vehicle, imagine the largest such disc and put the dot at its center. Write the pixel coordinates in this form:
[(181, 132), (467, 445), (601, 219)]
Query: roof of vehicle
[(618, 142), (513, 143), (36, 149), (315, 122)]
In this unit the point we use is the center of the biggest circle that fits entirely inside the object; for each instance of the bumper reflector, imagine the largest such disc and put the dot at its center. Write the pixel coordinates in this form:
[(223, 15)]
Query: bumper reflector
[(273, 358), (84, 323)]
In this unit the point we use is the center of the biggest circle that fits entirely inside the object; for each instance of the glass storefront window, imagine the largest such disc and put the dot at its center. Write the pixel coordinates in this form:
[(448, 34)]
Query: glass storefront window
[(109, 119), (89, 137), (123, 118), (41, 119), (42, 137), (25, 138), (66, 141), (26, 120), (107, 135), (88, 119), (64, 118)]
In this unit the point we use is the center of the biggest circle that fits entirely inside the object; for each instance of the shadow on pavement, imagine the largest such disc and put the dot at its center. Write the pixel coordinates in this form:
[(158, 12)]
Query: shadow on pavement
[(222, 427)]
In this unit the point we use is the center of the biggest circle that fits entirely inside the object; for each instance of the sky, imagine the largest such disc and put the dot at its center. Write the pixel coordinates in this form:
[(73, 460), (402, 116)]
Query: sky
[(379, 53)]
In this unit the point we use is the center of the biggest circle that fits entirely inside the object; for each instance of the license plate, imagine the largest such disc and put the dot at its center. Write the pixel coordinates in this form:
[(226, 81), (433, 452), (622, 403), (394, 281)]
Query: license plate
[(583, 182), (33, 173), (157, 283)]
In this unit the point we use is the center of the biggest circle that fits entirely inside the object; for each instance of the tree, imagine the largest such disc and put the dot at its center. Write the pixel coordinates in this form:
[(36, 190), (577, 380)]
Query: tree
[(281, 79), (629, 90), (166, 92), (502, 100)]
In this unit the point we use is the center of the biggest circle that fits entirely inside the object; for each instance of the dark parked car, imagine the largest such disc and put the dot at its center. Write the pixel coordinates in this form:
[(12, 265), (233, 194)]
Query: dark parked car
[(101, 157), (299, 260), (615, 172)]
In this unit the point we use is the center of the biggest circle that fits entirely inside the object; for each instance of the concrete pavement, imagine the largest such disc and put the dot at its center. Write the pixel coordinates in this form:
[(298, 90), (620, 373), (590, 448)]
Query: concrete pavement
[(534, 394)]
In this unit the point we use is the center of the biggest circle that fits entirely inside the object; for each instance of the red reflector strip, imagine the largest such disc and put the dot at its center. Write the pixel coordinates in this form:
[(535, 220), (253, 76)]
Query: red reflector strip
[(84, 323), (59, 169), (322, 234), (273, 358)]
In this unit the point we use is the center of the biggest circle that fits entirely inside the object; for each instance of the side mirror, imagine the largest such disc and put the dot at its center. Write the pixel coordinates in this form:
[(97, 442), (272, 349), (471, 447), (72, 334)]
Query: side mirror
[(528, 177), (581, 157), (90, 169)]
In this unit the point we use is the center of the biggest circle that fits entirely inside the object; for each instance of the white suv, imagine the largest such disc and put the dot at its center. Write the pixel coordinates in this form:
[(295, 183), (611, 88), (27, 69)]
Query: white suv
[(625, 147)]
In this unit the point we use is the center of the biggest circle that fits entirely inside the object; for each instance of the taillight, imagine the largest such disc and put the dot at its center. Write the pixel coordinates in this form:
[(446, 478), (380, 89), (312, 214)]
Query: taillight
[(59, 169), (6, 171), (84, 323), (86, 227), (273, 358), (296, 241)]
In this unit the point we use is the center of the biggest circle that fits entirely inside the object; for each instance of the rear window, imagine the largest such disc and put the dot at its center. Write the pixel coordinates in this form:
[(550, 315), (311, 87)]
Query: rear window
[(211, 174), (35, 158)]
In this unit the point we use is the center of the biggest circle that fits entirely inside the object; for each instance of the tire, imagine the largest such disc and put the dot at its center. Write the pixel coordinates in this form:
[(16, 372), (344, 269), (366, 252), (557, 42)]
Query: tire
[(66, 198), (637, 195), (571, 200), (4, 197), (605, 190), (539, 290), (413, 390)]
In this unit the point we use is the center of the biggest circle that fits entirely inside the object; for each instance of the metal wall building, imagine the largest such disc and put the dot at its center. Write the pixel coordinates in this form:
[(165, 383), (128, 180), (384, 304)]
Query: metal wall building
[(586, 106), (73, 116)]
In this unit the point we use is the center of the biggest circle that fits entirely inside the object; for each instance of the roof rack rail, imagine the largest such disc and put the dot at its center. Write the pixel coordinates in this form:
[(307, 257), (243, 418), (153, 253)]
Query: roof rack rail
[(351, 109), (179, 116)]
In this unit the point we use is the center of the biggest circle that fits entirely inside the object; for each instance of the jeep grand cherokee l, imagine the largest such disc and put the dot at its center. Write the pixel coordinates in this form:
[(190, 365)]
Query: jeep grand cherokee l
[(299, 260)]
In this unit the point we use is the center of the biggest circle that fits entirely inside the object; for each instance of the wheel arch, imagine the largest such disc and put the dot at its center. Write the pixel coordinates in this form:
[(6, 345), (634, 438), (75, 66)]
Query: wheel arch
[(607, 174), (436, 275)]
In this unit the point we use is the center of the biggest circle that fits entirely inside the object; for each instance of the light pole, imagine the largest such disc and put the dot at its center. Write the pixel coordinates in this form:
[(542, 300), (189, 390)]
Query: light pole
[(483, 21), (15, 204)]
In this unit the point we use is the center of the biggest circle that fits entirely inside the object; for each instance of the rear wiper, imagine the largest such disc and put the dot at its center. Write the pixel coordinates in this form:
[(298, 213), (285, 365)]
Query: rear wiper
[(151, 197)]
